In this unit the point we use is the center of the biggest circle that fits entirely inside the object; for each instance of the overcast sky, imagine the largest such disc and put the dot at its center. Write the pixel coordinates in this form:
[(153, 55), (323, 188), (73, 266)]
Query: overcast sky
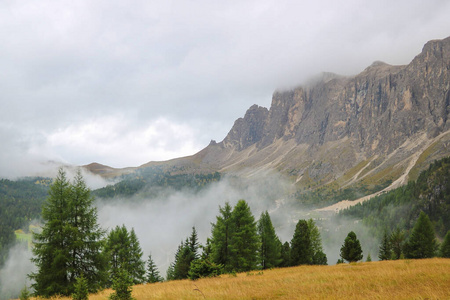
[(127, 82)]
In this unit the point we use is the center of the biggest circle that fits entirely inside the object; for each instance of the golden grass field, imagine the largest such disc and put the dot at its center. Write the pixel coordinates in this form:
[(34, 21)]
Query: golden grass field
[(402, 279)]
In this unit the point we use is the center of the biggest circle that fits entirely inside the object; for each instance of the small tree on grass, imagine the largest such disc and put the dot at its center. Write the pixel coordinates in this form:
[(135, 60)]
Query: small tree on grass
[(201, 268), (24, 294), (351, 250), (422, 242), (122, 286), (81, 289), (152, 272), (385, 247)]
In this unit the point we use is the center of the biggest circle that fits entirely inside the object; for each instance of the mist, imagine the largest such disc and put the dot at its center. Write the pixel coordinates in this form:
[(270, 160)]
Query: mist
[(162, 223), (13, 275)]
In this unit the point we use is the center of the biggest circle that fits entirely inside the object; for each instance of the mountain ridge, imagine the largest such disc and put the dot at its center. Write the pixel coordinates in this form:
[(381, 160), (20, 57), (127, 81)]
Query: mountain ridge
[(369, 130)]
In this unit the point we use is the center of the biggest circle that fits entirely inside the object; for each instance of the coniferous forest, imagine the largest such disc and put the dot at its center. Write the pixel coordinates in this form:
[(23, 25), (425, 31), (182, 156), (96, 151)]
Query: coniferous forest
[(73, 250)]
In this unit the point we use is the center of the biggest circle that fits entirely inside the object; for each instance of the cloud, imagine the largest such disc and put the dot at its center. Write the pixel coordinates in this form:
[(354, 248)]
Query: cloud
[(68, 65)]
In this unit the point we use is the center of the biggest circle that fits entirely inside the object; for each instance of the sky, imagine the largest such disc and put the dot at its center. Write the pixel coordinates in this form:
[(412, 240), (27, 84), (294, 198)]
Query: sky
[(123, 83)]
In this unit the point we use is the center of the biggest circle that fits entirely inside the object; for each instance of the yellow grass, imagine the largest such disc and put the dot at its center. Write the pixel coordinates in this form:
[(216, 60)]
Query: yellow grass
[(403, 279)]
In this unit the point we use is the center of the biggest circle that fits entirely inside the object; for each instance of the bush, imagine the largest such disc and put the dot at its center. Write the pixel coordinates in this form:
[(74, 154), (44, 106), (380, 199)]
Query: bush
[(203, 268)]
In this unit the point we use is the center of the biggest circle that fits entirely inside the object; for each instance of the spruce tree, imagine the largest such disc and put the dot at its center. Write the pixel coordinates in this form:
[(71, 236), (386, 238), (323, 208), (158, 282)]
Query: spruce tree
[(221, 237), (351, 249), (81, 289), (384, 252), (269, 250), (301, 249), (70, 242), (445, 246), (136, 268), (318, 256), (152, 271), (397, 241), (124, 253), (245, 243), (422, 242)]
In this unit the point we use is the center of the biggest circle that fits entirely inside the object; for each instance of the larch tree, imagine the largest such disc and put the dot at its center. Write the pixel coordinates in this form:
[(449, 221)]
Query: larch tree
[(70, 242), (269, 250), (385, 251), (422, 242), (221, 237), (301, 249), (445, 246), (245, 243), (318, 256)]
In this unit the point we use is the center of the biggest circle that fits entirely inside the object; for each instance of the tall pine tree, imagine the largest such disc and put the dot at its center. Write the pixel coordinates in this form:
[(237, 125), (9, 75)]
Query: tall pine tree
[(124, 253), (385, 251), (269, 250), (301, 249), (70, 242), (422, 242), (245, 243), (221, 237), (318, 256)]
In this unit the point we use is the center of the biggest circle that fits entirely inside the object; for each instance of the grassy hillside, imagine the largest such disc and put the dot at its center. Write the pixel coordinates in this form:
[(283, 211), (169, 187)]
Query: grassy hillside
[(401, 279)]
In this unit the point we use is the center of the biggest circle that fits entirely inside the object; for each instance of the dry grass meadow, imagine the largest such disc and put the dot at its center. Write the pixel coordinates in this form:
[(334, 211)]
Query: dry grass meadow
[(402, 279)]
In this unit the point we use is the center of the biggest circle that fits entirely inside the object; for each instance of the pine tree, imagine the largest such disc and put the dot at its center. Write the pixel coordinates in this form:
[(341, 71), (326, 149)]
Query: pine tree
[(193, 243), (397, 241), (351, 249), (384, 252), (318, 256), (136, 268), (445, 246), (422, 242), (70, 241), (244, 244), (270, 250), (152, 272), (81, 289), (301, 249), (221, 237), (124, 253), (183, 259), (122, 283), (24, 294)]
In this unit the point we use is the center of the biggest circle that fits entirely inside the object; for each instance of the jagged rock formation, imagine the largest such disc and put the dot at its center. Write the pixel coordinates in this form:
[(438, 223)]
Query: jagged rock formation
[(372, 130)]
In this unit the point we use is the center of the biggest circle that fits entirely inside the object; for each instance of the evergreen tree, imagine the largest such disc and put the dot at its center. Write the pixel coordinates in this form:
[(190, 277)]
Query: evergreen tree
[(301, 249), (445, 246), (70, 241), (122, 283), (221, 237), (269, 250), (193, 243), (136, 268), (124, 253), (351, 249), (152, 272), (183, 259), (81, 289), (369, 258), (285, 255), (318, 256), (397, 241), (24, 294), (245, 243), (422, 242), (385, 252)]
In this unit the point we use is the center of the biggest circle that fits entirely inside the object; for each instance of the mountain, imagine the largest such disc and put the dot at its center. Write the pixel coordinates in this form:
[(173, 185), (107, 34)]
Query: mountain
[(341, 137)]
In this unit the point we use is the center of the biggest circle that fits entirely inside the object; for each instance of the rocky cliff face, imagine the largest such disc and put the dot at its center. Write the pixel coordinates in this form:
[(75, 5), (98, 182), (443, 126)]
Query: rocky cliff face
[(368, 129), (369, 132)]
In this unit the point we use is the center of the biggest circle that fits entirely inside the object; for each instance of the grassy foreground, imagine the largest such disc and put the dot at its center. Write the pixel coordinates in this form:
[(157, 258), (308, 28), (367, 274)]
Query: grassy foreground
[(403, 279)]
